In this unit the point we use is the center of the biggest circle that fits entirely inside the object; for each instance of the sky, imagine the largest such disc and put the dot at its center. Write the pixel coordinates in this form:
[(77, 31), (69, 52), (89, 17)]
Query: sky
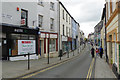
[(86, 12)]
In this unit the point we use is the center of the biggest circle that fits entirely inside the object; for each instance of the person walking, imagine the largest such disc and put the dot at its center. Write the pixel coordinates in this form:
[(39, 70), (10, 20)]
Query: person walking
[(101, 52), (92, 52), (97, 52)]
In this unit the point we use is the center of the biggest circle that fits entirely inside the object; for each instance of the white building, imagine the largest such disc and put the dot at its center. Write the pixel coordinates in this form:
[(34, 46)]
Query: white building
[(65, 28), (47, 21), (18, 30)]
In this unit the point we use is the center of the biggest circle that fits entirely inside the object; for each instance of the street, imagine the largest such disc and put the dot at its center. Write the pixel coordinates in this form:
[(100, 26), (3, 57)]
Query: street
[(75, 68)]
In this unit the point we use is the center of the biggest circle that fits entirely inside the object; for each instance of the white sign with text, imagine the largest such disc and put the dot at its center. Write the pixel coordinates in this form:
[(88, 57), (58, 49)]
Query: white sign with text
[(26, 46)]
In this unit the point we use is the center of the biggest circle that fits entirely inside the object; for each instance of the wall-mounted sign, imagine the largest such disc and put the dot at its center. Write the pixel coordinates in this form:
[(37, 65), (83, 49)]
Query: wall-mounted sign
[(26, 46), (53, 36), (6, 16)]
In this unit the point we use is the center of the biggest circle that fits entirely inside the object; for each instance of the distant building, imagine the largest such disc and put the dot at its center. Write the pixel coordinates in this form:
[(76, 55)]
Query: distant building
[(97, 35)]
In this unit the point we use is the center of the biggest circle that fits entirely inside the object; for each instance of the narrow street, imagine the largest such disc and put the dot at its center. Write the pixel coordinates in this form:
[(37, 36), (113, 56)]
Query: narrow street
[(75, 68)]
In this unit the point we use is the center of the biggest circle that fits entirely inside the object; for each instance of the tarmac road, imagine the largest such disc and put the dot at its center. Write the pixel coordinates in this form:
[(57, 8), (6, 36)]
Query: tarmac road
[(82, 66)]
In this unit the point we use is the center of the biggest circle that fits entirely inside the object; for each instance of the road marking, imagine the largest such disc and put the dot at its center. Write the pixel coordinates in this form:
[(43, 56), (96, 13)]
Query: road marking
[(33, 74), (90, 69)]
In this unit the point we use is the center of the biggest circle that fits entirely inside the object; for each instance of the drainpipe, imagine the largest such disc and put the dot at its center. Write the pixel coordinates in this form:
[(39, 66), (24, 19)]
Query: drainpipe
[(105, 37), (59, 27)]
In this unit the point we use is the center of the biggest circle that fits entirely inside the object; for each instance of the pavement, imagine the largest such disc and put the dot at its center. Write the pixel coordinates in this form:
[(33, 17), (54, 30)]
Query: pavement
[(102, 69), (14, 69)]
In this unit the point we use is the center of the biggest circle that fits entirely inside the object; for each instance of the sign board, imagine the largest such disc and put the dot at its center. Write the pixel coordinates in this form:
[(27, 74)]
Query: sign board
[(26, 46), (53, 36), (64, 38)]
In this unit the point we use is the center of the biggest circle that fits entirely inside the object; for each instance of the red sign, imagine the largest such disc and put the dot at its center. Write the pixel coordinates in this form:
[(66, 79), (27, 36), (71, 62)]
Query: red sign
[(26, 42)]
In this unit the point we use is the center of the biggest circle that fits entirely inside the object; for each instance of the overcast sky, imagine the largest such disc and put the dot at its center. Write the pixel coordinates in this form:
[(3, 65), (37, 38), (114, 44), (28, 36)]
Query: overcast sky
[(87, 12)]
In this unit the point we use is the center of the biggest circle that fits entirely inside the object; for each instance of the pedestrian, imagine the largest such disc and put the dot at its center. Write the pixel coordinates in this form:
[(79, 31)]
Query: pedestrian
[(101, 52), (97, 52), (92, 52)]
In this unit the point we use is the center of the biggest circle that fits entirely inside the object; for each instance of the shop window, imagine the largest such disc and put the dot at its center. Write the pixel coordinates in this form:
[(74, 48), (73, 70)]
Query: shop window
[(24, 37), (24, 17), (31, 37), (52, 45)]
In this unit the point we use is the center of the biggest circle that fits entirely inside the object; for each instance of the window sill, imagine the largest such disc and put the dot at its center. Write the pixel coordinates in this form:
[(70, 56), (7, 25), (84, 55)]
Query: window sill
[(52, 9), (41, 5)]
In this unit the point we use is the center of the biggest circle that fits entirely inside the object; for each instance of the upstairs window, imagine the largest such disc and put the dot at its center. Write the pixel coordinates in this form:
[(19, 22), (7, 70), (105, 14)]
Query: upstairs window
[(51, 5), (24, 17), (63, 14), (40, 20), (51, 23), (66, 18), (63, 30), (40, 2)]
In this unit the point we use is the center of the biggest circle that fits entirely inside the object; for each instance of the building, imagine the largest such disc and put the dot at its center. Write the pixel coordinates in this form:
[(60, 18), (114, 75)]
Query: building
[(97, 35), (91, 37), (18, 30), (65, 29), (48, 23), (113, 34)]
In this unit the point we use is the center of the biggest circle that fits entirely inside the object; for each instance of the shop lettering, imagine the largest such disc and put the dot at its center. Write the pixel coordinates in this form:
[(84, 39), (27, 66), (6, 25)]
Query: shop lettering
[(18, 30), (27, 42)]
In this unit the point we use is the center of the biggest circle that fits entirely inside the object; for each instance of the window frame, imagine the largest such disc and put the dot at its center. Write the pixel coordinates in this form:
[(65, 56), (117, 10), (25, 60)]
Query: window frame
[(40, 20)]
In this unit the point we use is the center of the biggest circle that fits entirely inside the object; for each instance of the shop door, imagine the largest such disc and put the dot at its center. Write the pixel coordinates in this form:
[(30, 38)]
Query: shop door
[(4, 49)]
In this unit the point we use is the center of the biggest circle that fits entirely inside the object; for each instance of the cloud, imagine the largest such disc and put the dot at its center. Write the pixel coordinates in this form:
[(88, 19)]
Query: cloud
[(87, 12)]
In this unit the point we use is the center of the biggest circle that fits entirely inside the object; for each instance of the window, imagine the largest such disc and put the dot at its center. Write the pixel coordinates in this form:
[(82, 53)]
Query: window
[(69, 32), (66, 31), (69, 20), (40, 2), (24, 17), (113, 6), (66, 18), (51, 23), (108, 10), (63, 30), (63, 14), (51, 5), (52, 45), (40, 20)]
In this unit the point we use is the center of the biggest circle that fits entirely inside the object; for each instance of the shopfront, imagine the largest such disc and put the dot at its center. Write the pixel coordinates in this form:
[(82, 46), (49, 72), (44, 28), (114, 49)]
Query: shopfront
[(64, 44), (17, 42), (48, 42)]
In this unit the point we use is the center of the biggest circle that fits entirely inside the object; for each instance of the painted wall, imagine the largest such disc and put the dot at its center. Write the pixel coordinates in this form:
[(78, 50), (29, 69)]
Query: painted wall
[(47, 13), (10, 14)]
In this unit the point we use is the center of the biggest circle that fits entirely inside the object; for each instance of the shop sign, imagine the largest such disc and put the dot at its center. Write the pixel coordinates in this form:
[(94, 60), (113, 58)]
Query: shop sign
[(53, 36), (26, 46), (18, 30), (64, 38), (42, 35)]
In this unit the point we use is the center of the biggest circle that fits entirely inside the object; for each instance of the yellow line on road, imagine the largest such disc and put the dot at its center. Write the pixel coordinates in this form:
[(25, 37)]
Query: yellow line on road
[(90, 69), (33, 74)]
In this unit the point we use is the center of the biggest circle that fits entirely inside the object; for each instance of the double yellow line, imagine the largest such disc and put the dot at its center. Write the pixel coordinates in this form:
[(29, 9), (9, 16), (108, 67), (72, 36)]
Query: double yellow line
[(90, 69)]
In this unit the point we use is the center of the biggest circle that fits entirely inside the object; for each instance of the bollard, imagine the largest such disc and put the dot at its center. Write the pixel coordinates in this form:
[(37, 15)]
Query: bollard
[(28, 61)]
